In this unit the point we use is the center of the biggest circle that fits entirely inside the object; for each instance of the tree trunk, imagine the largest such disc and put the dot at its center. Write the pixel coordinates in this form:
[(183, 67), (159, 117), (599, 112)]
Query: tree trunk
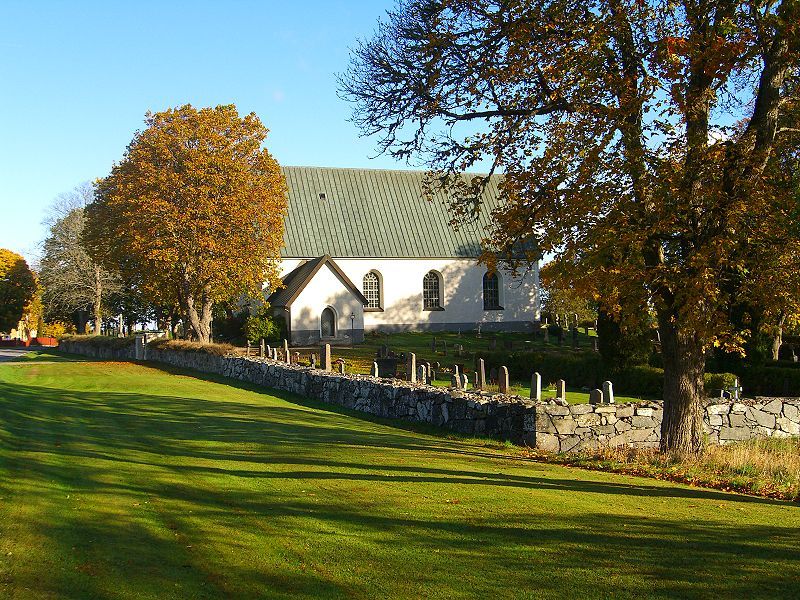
[(98, 300), (777, 339), (684, 367), (201, 322)]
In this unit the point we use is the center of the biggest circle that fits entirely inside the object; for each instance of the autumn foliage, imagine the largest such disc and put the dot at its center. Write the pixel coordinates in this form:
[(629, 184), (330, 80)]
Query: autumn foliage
[(194, 211), (17, 288)]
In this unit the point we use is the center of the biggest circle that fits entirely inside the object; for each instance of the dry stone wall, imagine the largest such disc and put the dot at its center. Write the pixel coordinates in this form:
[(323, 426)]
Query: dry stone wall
[(544, 425)]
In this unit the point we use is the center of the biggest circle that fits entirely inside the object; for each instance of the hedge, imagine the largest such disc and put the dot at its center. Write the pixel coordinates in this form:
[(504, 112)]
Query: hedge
[(186, 346), (101, 341)]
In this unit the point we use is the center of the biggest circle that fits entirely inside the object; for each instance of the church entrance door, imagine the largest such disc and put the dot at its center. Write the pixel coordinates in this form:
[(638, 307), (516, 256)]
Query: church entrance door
[(328, 324)]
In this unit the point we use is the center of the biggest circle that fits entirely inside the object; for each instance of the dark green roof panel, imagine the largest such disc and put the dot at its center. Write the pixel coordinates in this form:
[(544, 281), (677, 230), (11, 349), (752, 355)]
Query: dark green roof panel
[(374, 213)]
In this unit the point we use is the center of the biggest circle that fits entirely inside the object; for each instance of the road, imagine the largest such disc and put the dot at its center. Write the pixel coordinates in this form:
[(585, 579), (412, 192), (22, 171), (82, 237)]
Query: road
[(12, 353)]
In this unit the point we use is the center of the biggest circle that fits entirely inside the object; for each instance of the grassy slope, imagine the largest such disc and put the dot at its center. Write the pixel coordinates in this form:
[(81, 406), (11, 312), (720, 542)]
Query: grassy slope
[(121, 481)]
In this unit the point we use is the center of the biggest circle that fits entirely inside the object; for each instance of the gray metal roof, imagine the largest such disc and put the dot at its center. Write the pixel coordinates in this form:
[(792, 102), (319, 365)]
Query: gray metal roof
[(374, 213)]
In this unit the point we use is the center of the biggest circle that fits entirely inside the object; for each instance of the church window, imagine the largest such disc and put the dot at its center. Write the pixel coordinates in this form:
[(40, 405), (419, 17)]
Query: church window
[(491, 291), (432, 291), (372, 289)]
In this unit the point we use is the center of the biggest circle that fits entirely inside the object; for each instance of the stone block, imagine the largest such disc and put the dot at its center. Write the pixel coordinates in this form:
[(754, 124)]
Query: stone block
[(773, 406), (544, 424), (641, 422), (606, 409), (588, 444), (547, 442), (587, 420), (738, 407), (580, 409), (625, 411), (734, 434), (564, 425), (715, 420), (621, 426), (569, 443), (788, 426), (557, 410), (737, 420), (644, 411), (792, 412), (605, 430), (718, 409), (638, 435), (763, 418)]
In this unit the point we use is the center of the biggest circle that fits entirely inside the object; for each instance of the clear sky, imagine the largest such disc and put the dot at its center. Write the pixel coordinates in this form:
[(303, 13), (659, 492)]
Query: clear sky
[(77, 77)]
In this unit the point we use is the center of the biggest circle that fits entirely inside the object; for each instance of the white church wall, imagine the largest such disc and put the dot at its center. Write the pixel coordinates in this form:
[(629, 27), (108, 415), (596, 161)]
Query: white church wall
[(462, 293), (325, 290)]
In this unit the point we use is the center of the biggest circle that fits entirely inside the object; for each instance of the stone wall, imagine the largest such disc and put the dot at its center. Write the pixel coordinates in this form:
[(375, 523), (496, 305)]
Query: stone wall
[(545, 425)]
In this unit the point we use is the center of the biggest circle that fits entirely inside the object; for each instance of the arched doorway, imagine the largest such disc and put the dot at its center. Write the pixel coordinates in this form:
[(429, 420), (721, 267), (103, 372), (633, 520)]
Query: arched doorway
[(328, 323)]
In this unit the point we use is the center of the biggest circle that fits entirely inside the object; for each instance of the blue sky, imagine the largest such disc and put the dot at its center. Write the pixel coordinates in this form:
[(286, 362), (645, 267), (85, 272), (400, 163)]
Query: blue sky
[(77, 78)]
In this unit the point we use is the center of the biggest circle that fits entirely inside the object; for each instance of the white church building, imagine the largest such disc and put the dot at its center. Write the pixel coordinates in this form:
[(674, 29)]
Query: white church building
[(363, 250)]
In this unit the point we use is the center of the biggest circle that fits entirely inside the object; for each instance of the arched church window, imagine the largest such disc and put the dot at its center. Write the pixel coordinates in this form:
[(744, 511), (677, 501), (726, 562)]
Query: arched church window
[(432, 291), (372, 289), (491, 291)]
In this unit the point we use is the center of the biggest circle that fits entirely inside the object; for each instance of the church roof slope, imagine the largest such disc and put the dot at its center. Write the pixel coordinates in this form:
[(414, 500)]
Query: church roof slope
[(373, 213), (296, 280)]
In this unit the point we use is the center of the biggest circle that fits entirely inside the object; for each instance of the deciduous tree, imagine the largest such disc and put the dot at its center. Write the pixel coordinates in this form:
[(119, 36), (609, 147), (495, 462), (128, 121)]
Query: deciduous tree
[(71, 280), (194, 210), (17, 288), (615, 123)]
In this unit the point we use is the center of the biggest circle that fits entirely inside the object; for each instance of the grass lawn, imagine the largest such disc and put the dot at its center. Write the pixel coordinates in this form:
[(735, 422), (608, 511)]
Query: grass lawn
[(124, 481)]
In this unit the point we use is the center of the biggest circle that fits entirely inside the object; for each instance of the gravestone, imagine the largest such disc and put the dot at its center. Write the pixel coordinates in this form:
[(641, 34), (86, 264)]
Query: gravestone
[(313, 361), (493, 375), (383, 351), (561, 336), (433, 345), (479, 330), (574, 337), (546, 335), (455, 380), (561, 389), (341, 366), (325, 357), (444, 347), (480, 374), (247, 350), (422, 375), (296, 358), (387, 367), (608, 392), (437, 366), (586, 330), (268, 351), (503, 381), (374, 371), (275, 354), (464, 381), (261, 349), (286, 352), (595, 344), (459, 349), (411, 367), (536, 387), (596, 397)]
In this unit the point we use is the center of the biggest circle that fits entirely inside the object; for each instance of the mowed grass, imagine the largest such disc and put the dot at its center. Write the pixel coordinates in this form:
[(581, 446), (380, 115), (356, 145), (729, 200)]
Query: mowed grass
[(123, 481)]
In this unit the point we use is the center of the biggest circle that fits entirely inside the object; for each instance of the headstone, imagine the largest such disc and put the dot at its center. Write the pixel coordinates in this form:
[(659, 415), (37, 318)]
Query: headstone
[(383, 351), (561, 336), (595, 344), (479, 330), (596, 397), (437, 365), (546, 335), (325, 357), (561, 389), (247, 351), (459, 349), (503, 380), (268, 351), (341, 366), (422, 375), (444, 347), (275, 354), (475, 381), (465, 381), (433, 345), (575, 319), (411, 367), (455, 380), (261, 348), (374, 369), (536, 387), (313, 361), (585, 330), (574, 337), (480, 373), (493, 375), (286, 352), (608, 392), (296, 358)]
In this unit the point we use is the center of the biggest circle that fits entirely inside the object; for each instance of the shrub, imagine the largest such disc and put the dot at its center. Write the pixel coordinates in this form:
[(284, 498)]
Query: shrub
[(770, 381), (101, 341), (264, 326), (186, 346)]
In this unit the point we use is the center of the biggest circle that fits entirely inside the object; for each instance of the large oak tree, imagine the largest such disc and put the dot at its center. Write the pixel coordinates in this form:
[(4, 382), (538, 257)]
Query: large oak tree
[(633, 135), (17, 288), (194, 211)]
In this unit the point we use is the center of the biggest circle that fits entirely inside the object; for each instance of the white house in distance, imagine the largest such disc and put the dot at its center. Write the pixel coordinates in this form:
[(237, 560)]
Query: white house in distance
[(363, 250)]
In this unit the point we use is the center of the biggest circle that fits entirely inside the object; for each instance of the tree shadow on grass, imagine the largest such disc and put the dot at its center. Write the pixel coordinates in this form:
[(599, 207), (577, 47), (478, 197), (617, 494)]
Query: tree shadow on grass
[(209, 476)]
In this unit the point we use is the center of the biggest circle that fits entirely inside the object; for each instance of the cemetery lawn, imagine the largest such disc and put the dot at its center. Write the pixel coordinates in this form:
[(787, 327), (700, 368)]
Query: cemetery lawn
[(124, 481)]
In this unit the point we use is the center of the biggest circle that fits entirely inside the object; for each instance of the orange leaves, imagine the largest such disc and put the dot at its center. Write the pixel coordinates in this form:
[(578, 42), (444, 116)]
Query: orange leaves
[(195, 206)]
